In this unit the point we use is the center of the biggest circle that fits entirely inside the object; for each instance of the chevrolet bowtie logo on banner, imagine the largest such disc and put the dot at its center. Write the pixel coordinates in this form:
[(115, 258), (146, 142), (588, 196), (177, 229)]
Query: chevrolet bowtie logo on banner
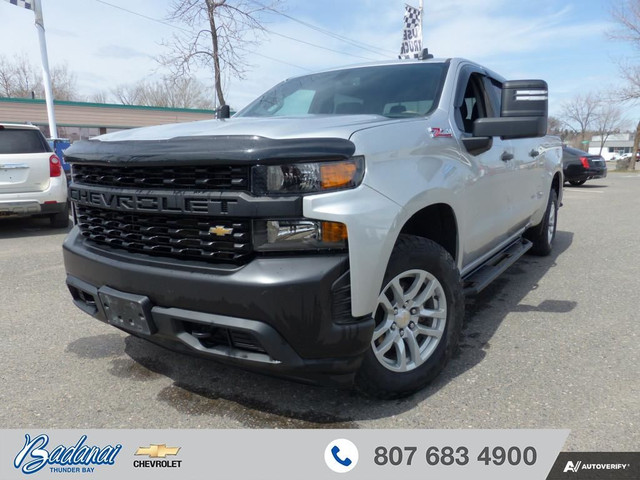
[(157, 451)]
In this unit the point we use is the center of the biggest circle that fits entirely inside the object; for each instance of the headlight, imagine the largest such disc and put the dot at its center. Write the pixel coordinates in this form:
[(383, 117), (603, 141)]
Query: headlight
[(285, 235), (303, 178)]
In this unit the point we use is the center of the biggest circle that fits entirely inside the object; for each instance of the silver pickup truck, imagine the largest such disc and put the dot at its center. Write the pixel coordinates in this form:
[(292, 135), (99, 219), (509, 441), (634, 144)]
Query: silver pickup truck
[(329, 231)]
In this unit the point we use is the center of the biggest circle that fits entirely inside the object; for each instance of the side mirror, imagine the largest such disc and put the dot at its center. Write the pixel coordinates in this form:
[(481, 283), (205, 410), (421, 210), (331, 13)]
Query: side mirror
[(524, 112), (224, 111), (525, 98)]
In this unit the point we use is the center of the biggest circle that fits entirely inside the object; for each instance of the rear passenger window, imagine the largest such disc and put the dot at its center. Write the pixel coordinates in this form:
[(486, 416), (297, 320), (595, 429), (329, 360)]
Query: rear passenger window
[(22, 141)]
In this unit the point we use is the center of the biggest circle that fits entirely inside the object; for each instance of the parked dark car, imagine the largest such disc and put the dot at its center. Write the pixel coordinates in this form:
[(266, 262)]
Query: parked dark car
[(580, 166)]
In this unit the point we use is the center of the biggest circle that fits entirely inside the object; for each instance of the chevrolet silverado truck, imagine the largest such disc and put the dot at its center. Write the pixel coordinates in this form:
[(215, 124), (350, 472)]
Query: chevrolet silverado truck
[(327, 232)]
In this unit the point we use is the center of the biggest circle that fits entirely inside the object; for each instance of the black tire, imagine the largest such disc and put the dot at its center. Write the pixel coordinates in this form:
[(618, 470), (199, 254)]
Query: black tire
[(542, 235), (412, 256), (60, 220), (577, 183)]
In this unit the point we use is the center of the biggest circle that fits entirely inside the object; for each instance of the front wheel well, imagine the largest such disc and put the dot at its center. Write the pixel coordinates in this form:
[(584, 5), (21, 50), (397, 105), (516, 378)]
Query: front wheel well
[(437, 223), (555, 184)]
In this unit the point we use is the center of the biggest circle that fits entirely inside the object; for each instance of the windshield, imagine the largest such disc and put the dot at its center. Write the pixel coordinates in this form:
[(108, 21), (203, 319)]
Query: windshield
[(390, 90)]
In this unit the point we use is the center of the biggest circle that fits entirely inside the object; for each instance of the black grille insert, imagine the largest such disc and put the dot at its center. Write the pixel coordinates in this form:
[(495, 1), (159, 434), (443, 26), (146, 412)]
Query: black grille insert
[(180, 237), (165, 178)]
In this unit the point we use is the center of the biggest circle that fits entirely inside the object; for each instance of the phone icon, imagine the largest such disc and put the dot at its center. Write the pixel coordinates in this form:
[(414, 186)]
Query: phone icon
[(341, 455), (334, 451)]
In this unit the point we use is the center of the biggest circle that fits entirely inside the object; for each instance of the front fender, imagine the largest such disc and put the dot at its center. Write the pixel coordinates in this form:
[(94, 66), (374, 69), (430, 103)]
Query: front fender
[(372, 226)]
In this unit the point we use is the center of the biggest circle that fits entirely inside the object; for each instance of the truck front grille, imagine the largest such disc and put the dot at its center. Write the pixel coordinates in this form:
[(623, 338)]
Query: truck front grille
[(171, 178), (180, 237)]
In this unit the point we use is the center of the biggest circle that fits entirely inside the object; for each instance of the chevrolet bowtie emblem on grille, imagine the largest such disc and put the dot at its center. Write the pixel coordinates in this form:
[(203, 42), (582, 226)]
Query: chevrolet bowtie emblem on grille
[(157, 451), (220, 231)]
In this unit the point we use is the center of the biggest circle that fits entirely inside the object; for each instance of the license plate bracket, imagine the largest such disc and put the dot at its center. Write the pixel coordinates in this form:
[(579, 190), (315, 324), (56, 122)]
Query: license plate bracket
[(128, 311)]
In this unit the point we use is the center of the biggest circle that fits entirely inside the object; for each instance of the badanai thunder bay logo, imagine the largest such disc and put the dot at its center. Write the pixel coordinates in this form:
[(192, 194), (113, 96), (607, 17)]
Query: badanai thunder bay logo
[(78, 458)]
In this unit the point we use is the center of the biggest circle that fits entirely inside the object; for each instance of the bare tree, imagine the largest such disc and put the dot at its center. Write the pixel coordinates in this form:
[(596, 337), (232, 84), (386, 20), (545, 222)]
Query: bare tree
[(217, 35), (185, 92), (100, 97), (607, 120), (6, 77), (19, 78), (579, 113), (626, 14), (64, 83), (130, 94), (630, 74), (556, 126)]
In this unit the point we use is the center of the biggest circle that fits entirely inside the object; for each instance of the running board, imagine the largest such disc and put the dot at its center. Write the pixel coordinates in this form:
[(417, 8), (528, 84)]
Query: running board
[(481, 277)]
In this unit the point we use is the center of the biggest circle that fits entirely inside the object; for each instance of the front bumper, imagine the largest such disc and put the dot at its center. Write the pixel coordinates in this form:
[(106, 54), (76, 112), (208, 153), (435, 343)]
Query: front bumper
[(285, 316), (29, 208)]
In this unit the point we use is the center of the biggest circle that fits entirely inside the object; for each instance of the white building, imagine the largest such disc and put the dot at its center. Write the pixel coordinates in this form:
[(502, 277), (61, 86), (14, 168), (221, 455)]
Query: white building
[(615, 145)]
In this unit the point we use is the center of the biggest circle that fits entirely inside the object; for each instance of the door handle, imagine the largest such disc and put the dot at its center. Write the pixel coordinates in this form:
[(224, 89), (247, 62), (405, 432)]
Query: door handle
[(506, 156), (534, 153)]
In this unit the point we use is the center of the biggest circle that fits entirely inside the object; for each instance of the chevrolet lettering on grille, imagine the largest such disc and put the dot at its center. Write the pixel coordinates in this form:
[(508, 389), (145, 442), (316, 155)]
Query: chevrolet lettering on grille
[(151, 203)]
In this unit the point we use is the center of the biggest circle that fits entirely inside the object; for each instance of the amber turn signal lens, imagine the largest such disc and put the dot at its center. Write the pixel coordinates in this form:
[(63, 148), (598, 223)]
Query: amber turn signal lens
[(333, 232), (336, 175)]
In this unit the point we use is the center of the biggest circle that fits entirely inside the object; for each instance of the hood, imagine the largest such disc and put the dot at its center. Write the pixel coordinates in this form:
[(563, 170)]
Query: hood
[(245, 140), (337, 126)]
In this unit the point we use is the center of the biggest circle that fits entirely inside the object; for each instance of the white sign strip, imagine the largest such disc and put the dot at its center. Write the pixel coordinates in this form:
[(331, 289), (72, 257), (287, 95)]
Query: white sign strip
[(279, 454)]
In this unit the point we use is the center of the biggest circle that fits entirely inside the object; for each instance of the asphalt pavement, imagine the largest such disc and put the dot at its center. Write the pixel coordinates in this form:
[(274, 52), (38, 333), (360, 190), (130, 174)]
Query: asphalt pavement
[(553, 343)]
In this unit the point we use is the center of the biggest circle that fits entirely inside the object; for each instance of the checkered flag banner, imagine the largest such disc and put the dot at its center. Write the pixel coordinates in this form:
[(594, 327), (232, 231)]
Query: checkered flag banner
[(412, 36), (28, 4)]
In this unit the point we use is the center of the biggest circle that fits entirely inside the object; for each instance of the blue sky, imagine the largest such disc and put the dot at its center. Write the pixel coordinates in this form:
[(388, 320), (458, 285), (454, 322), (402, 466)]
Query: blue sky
[(563, 42)]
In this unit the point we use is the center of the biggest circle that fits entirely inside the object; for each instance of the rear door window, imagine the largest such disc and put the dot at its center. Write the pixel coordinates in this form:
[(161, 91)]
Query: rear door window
[(15, 140)]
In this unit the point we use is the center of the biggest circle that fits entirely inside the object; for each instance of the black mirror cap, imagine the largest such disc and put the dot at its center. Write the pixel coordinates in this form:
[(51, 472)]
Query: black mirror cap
[(510, 127), (525, 98), (224, 112)]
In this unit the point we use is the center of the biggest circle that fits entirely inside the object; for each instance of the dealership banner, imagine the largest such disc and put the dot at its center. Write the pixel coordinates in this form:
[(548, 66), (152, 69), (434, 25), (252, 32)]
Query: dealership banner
[(279, 454), (412, 33)]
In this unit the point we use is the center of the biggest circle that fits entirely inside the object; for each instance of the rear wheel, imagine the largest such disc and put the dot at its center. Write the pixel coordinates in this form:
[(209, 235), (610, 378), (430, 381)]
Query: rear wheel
[(418, 320), (577, 183)]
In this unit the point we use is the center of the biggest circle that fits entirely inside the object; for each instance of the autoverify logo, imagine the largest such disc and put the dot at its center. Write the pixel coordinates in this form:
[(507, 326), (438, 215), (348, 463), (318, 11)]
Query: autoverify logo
[(572, 467), (579, 466), (77, 458)]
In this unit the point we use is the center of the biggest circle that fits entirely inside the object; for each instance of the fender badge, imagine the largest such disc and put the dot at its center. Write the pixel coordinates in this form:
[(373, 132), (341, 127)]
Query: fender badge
[(437, 132), (220, 231)]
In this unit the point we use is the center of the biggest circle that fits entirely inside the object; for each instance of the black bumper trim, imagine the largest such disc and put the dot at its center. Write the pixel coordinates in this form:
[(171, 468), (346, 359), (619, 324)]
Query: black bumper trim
[(285, 303), (278, 359), (277, 349)]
